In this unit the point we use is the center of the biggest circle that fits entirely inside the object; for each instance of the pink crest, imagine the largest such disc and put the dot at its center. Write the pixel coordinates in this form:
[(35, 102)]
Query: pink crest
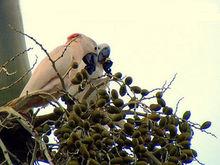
[(72, 36)]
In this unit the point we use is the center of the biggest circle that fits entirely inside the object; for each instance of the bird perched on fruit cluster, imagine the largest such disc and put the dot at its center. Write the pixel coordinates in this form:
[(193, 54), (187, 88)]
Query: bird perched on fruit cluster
[(45, 78), (79, 49)]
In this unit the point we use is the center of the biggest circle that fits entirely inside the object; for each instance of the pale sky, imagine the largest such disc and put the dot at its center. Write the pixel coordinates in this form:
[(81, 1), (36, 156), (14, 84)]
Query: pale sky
[(151, 40)]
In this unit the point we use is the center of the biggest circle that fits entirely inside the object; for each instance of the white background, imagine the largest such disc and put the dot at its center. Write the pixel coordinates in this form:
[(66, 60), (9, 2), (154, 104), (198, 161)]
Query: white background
[(151, 40)]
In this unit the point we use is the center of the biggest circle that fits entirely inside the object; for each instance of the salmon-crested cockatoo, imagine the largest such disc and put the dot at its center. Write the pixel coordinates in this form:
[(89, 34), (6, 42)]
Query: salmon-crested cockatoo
[(45, 78), (45, 81), (78, 48)]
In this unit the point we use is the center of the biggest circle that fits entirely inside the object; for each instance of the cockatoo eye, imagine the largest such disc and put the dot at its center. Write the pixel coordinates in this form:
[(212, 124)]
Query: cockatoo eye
[(96, 48)]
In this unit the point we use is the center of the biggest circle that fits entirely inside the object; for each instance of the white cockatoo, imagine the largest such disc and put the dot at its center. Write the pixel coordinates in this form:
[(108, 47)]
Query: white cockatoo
[(45, 78), (78, 48)]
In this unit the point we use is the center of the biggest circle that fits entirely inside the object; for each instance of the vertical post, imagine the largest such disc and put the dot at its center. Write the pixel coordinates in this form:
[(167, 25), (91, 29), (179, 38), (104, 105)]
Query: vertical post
[(12, 43)]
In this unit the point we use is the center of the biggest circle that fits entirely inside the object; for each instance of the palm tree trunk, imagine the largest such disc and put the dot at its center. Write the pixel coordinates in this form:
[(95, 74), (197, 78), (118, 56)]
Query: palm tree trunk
[(11, 43)]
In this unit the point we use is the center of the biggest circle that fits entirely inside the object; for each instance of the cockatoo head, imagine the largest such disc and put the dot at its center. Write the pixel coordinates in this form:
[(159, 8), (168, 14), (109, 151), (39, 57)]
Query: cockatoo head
[(100, 61), (89, 48), (87, 44), (95, 56)]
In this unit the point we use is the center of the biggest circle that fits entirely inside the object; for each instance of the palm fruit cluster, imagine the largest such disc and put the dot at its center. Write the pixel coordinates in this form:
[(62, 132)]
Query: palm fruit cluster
[(123, 125)]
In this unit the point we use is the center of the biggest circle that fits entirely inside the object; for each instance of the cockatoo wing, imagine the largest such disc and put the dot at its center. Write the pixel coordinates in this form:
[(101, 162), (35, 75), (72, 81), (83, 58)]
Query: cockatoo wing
[(45, 77)]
